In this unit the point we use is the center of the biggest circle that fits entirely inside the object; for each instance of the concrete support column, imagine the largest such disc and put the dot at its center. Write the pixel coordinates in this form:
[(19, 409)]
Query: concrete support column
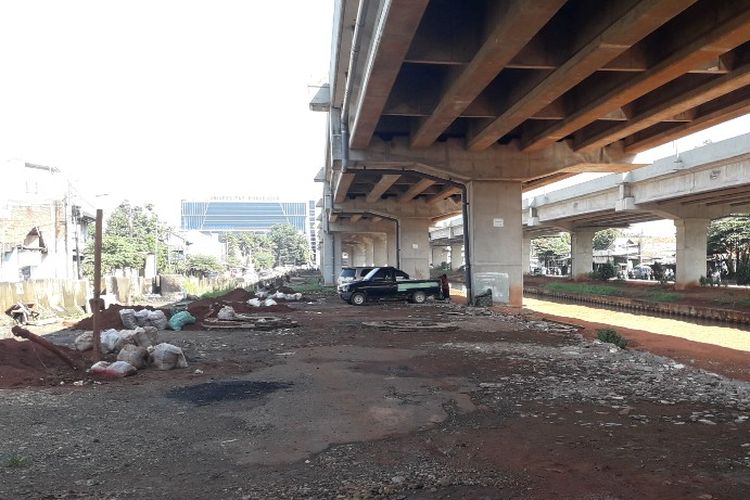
[(327, 266), (692, 242), (582, 253), (391, 241), (369, 252), (457, 256), (415, 247), (380, 251), (495, 240), (358, 255), (338, 257), (526, 255), (439, 255)]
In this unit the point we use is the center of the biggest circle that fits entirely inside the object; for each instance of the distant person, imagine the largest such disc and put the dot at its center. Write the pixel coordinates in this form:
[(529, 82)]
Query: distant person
[(445, 287)]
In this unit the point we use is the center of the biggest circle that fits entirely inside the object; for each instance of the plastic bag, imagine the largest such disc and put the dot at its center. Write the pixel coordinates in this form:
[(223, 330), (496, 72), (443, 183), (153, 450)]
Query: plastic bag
[(293, 296), (141, 317), (179, 320), (157, 319), (111, 341), (117, 369), (269, 303), (127, 316), (167, 356), (151, 333), (226, 313), (261, 294), (85, 341), (279, 296), (254, 302), (135, 355)]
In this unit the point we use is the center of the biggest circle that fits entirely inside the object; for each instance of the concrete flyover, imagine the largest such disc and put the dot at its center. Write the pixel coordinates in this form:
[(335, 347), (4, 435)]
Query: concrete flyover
[(693, 188), (438, 108)]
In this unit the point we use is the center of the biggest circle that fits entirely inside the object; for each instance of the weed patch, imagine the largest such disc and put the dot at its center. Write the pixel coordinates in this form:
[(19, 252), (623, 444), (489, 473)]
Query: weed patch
[(610, 336)]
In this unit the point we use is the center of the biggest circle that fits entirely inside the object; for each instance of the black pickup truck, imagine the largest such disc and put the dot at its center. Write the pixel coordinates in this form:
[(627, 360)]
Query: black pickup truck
[(384, 283)]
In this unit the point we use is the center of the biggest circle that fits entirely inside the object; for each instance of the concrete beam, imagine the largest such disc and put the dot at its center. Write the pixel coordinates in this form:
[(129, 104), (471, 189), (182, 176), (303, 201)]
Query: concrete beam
[(663, 109), (342, 188), (732, 105), (505, 162), (395, 28), (511, 27), (416, 190), (620, 32), (703, 45), (442, 195), (385, 182)]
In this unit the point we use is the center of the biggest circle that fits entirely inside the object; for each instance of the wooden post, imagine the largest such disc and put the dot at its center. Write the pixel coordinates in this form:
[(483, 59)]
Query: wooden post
[(96, 304)]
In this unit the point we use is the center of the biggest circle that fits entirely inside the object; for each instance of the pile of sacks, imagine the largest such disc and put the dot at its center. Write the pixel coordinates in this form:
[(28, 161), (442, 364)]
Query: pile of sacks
[(135, 350), (132, 319)]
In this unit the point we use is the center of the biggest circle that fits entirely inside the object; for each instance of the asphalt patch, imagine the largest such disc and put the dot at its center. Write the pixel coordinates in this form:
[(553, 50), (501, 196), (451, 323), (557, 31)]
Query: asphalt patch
[(213, 392)]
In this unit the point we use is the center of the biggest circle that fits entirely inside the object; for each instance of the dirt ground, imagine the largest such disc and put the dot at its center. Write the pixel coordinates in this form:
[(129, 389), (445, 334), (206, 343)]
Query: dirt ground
[(480, 405)]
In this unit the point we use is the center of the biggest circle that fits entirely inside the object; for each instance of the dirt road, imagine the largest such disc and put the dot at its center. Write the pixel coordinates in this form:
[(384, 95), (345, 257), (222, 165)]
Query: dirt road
[(479, 406)]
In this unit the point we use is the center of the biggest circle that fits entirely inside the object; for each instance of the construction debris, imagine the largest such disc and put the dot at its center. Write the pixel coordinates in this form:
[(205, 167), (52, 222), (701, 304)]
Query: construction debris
[(118, 369), (411, 325)]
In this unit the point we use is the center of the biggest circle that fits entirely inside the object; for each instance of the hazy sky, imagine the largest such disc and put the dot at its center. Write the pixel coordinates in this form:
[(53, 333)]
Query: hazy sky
[(159, 100)]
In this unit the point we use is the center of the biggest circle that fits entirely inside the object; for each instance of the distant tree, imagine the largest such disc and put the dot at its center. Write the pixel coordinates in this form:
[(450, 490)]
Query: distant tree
[(730, 238), (203, 265), (132, 232), (551, 246), (289, 245), (604, 239)]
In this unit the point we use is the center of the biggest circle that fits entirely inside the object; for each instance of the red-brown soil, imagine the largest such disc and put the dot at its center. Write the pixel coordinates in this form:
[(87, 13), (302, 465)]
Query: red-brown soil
[(25, 363)]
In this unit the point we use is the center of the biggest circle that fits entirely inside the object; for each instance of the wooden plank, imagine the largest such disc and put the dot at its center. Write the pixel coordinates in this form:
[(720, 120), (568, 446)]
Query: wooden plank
[(356, 218), (514, 25), (529, 98)]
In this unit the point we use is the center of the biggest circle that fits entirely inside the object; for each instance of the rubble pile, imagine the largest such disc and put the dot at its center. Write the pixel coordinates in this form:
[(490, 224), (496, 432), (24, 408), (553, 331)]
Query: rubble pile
[(582, 371), (229, 319)]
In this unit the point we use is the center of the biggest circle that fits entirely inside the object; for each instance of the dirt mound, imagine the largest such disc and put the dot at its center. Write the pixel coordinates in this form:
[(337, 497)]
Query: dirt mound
[(209, 308), (110, 317), (24, 364), (237, 295)]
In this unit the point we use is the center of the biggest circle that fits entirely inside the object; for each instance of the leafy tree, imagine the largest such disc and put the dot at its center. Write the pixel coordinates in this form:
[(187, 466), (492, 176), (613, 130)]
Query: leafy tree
[(603, 239), (552, 246), (289, 245), (132, 232), (730, 238), (203, 265)]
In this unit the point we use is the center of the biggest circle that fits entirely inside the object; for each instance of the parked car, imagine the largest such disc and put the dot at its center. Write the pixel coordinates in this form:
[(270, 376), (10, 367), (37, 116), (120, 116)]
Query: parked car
[(349, 274), (383, 283), (642, 272)]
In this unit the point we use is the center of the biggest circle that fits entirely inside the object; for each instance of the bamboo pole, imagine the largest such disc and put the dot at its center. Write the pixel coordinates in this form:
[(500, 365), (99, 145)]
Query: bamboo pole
[(96, 302)]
